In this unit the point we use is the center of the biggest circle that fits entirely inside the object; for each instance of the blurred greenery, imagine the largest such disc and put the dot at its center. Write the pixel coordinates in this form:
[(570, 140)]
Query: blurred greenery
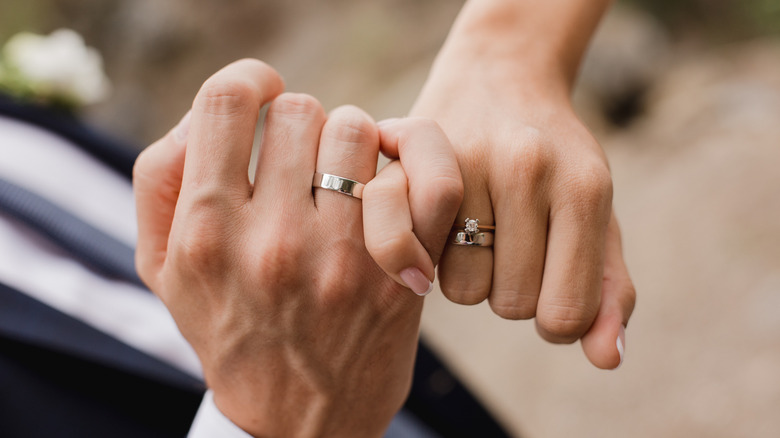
[(354, 44), (44, 16), (713, 20), (17, 16), (716, 20)]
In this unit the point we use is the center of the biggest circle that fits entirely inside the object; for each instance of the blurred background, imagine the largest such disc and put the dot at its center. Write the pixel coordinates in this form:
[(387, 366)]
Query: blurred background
[(683, 95)]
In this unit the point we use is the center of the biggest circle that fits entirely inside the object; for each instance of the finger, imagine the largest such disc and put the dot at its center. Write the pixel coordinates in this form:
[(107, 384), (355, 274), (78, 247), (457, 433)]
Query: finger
[(349, 148), (571, 287), (466, 272), (389, 233), (435, 183), (288, 152), (157, 176), (605, 343), (522, 211), (224, 117)]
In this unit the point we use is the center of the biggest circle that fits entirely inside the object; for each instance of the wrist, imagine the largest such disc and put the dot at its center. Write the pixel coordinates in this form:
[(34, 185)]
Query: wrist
[(460, 79), (542, 41), (296, 415), (262, 416), (518, 76)]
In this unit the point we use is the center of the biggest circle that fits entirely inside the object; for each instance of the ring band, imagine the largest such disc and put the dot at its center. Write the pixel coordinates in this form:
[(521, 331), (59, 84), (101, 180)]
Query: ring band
[(339, 184), (468, 239), (490, 228)]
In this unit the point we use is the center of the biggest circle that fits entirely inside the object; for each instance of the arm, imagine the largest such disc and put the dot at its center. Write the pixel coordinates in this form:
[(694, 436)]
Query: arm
[(540, 41), (500, 88)]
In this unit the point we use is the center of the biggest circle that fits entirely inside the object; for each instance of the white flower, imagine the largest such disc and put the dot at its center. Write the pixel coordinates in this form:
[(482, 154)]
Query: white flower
[(59, 66)]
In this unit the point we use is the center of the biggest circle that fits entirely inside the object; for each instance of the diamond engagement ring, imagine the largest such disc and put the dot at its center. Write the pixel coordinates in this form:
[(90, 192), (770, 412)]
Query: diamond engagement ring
[(472, 226), (470, 234), (339, 184)]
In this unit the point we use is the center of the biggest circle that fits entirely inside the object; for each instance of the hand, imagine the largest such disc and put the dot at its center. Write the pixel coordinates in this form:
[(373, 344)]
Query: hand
[(531, 168), (412, 196), (299, 332)]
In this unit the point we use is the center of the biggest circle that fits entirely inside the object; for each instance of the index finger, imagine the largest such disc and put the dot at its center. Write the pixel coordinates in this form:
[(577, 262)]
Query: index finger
[(435, 182), (224, 116)]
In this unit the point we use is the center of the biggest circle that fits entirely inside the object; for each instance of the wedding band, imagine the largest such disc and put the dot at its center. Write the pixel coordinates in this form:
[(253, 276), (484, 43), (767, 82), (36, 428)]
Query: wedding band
[(338, 184), (476, 239), (471, 234)]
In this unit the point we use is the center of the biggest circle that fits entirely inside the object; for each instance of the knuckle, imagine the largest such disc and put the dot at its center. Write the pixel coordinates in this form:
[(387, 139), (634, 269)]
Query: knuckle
[(255, 64), (350, 124), (531, 163), (385, 249), (463, 293), (448, 193), (590, 188), (334, 283), (423, 123), (564, 323), (513, 305), (296, 106), (260, 69), (227, 97), (199, 251), (201, 234), (211, 204), (336, 286), (272, 262)]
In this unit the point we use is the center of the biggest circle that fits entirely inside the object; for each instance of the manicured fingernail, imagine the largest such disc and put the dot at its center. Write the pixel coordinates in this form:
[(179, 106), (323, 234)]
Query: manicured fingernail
[(416, 281), (183, 128), (621, 344), (387, 122)]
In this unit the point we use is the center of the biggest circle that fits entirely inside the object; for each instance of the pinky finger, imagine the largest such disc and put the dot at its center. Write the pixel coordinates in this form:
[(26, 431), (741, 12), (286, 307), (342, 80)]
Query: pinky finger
[(389, 234), (605, 342)]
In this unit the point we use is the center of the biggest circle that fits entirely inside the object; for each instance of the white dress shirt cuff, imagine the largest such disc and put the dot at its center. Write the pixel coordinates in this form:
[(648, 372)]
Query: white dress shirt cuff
[(210, 422)]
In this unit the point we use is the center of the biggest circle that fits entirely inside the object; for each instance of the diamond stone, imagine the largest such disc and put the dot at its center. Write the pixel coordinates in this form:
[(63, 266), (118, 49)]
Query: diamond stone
[(472, 225)]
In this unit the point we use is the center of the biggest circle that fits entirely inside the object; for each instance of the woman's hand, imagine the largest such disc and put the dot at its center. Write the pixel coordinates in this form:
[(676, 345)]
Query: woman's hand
[(408, 206), (500, 90), (299, 332)]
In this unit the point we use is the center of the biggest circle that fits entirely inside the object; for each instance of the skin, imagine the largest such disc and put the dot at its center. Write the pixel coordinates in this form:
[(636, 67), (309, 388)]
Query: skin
[(300, 333), (500, 88)]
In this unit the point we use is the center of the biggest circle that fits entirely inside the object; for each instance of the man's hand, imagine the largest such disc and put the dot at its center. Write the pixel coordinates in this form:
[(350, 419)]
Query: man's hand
[(500, 90), (299, 332)]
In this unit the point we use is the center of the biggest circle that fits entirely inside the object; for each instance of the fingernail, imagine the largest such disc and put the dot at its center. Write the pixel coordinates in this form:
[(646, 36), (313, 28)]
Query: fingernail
[(621, 344), (387, 122), (416, 281), (181, 130)]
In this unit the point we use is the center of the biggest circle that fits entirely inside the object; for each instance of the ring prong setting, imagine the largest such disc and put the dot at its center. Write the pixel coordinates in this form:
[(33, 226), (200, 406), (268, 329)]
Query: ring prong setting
[(472, 226)]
